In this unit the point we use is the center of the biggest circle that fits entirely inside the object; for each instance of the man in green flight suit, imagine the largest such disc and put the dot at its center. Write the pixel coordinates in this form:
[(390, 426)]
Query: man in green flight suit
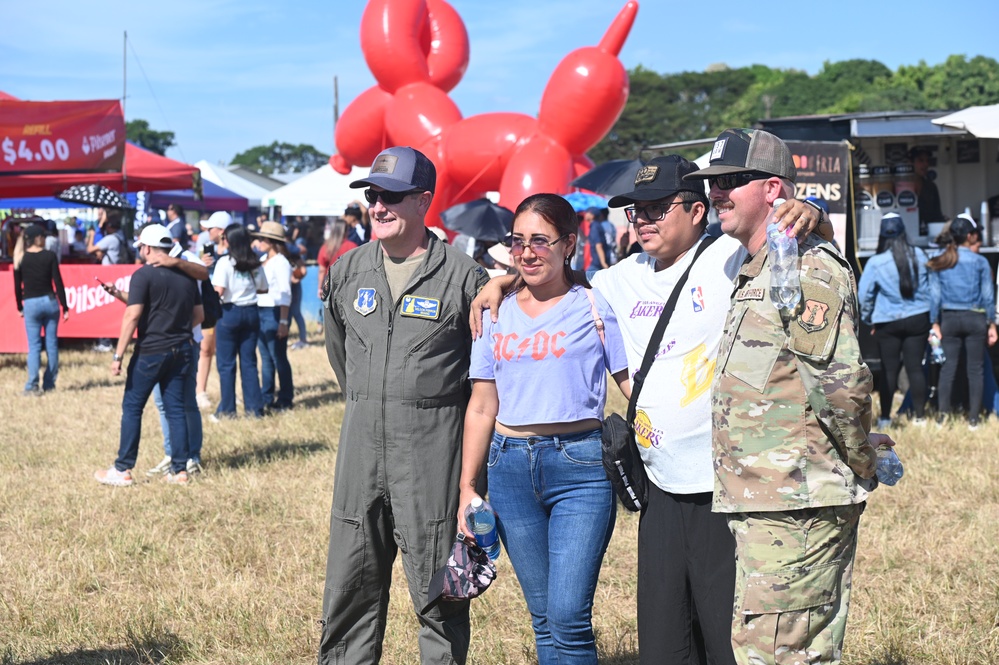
[(397, 337), (791, 412)]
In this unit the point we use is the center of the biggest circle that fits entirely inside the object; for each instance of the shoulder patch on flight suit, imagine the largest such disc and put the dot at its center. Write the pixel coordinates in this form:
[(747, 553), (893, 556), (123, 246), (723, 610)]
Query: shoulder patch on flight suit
[(421, 307), (815, 329), (366, 302)]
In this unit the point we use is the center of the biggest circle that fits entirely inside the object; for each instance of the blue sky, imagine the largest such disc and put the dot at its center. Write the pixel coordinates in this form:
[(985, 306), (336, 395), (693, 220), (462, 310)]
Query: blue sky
[(226, 75)]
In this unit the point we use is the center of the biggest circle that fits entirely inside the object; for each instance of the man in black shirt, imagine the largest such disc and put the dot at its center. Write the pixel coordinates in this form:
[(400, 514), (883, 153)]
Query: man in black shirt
[(164, 305)]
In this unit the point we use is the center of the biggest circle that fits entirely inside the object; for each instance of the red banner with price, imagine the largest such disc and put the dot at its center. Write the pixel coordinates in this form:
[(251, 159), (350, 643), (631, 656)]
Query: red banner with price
[(93, 312), (42, 137)]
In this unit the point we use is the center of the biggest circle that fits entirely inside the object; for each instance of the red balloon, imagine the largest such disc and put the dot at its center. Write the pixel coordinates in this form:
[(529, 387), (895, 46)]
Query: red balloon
[(447, 56), (478, 148), (418, 50), (360, 131), (541, 165), (418, 112), (390, 39)]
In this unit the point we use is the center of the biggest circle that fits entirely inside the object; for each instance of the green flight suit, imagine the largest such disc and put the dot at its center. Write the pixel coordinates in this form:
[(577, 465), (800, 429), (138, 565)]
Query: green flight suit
[(402, 366)]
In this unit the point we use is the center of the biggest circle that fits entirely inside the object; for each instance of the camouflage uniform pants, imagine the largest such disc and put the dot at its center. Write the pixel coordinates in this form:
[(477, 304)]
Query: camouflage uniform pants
[(792, 589)]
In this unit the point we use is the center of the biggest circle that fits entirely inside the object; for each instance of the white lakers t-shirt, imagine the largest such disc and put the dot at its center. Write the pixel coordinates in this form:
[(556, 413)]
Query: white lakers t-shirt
[(673, 421)]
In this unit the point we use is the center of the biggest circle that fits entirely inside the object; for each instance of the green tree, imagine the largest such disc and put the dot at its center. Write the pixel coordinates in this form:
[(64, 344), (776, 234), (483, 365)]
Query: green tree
[(281, 158), (958, 83), (139, 132), (673, 107), (666, 108)]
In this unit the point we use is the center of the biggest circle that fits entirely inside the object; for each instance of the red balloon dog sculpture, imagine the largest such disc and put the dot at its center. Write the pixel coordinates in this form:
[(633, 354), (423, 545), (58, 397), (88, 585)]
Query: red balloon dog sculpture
[(418, 51)]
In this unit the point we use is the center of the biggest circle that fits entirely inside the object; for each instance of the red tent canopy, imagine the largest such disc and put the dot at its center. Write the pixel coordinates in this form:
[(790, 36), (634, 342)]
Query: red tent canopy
[(143, 171)]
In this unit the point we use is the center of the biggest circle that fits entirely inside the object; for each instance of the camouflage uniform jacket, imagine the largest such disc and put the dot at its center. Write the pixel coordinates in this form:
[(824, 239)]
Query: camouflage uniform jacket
[(791, 403)]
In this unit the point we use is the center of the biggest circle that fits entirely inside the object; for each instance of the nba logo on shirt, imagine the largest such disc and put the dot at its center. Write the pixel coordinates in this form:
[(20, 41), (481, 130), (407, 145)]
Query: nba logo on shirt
[(697, 296)]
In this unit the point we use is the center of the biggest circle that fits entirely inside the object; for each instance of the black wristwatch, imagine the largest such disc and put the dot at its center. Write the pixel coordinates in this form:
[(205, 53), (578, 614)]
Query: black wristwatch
[(817, 207)]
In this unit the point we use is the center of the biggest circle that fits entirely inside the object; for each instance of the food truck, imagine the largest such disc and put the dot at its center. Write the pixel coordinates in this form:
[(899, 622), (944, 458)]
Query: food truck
[(880, 177)]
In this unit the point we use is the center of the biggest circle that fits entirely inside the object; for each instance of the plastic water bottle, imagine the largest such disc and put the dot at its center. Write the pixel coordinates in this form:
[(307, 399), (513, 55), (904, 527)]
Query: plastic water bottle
[(889, 468), (785, 289), (937, 356), (481, 521)]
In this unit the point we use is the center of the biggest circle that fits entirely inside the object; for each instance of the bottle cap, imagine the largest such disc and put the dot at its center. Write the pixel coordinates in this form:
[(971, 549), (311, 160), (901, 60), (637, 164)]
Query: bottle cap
[(778, 203), (476, 502)]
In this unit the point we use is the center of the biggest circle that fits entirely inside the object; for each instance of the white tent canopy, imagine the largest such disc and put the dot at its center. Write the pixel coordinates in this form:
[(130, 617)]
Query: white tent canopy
[(324, 192), (980, 121), (221, 176)]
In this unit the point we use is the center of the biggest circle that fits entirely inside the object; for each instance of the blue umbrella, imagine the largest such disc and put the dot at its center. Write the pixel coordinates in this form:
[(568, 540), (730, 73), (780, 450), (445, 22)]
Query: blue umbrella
[(581, 201)]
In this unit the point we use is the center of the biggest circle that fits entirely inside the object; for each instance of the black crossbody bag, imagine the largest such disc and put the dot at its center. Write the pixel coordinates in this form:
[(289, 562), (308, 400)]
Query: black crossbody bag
[(622, 461)]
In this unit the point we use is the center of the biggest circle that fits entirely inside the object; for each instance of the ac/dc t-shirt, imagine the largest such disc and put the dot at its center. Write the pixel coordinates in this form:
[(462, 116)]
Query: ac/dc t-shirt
[(552, 368)]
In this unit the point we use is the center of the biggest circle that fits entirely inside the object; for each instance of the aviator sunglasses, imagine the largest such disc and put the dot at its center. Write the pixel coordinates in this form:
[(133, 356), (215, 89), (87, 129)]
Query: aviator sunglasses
[(388, 198), (538, 244)]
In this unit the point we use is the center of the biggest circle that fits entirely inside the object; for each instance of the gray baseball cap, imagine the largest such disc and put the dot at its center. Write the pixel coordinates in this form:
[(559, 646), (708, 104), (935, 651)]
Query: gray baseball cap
[(400, 169), (745, 151)]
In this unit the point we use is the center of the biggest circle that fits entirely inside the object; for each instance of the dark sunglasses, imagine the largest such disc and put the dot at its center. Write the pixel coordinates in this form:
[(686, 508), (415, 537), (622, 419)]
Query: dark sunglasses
[(388, 198), (652, 213), (733, 180)]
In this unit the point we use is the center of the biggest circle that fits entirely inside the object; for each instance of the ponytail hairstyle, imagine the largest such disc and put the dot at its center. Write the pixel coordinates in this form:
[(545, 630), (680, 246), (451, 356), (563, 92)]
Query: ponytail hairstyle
[(956, 235)]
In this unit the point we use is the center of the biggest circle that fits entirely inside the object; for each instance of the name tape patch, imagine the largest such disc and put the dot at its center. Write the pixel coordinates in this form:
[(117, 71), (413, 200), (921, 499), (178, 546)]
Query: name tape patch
[(421, 307), (750, 294)]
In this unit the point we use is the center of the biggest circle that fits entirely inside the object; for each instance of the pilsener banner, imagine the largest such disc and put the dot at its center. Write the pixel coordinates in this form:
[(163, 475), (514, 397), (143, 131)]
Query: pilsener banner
[(93, 312), (42, 137)]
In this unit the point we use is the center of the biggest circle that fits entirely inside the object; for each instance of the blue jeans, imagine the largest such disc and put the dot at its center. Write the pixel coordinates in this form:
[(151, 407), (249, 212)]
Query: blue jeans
[(42, 313), (274, 359), (556, 515), (295, 311), (195, 432), (169, 371), (236, 335)]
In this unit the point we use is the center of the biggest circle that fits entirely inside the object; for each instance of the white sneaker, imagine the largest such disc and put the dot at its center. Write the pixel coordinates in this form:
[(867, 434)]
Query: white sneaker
[(884, 423), (193, 467), (298, 345), (203, 401), (161, 468), (113, 477)]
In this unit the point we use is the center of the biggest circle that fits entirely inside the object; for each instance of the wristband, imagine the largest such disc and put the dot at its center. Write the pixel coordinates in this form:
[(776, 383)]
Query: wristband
[(283, 322), (116, 358)]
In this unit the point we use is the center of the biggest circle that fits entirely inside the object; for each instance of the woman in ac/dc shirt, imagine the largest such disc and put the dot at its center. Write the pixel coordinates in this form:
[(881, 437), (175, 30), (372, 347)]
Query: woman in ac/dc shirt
[(539, 386)]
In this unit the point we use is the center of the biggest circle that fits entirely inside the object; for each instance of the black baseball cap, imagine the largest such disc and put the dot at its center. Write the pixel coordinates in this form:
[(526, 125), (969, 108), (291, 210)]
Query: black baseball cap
[(661, 178), (400, 169), (746, 151)]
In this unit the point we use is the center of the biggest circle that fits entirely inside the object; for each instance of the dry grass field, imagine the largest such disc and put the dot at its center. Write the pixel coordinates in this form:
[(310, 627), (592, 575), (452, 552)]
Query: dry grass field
[(230, 569)]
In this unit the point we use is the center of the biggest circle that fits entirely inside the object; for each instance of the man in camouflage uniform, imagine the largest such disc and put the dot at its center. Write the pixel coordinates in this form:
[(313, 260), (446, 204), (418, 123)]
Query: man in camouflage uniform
[(791, 411)]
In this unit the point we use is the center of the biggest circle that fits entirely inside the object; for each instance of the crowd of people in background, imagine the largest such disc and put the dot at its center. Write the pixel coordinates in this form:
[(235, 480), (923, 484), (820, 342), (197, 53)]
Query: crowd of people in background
[(231, 291)]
